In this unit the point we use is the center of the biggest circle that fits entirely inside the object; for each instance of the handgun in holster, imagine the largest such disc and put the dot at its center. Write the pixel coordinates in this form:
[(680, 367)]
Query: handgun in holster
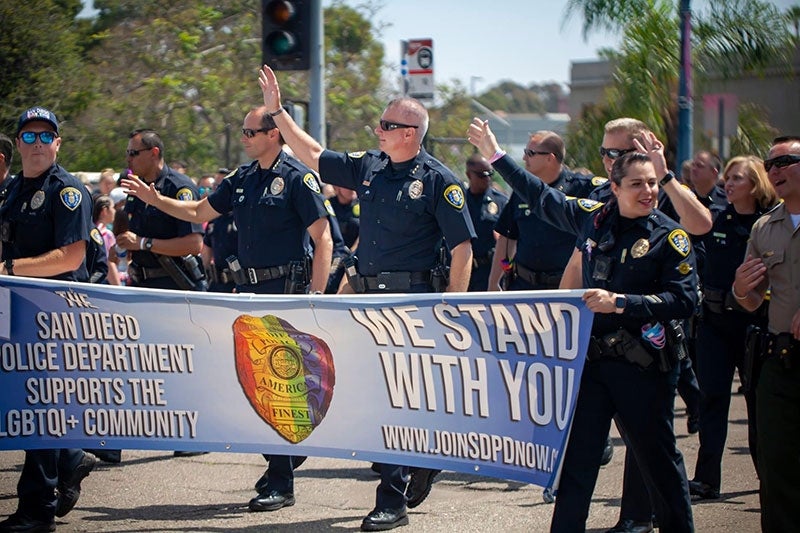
[(755, 346), (354, 279), (298, 278), (676, 349), (239, 277), (188, 275), (440, 274)]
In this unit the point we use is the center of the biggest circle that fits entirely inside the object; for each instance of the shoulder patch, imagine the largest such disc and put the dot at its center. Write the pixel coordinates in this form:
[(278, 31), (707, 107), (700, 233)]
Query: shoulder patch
[(356, 155), (184, 194), (597, 181), (679, 240), (70, 197), (311, 182), (589, 205), (329, 208), (454, 196), (95, 235)]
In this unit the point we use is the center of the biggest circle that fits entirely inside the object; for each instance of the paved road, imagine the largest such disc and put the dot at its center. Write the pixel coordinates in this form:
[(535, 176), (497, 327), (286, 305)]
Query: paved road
[(152, 491)]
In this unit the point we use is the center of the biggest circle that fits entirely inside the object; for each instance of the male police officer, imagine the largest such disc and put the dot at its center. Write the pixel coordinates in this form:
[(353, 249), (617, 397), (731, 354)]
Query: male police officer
[(409, 201), (275, 200), (44, 223), (485, 204), (164, 250)]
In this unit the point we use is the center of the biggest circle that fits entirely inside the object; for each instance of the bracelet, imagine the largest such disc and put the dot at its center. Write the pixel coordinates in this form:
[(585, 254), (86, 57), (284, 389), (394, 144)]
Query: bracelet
[(9, 264), (141, 243), (667, 178), (733, 291), (497, 155), (276, 113)]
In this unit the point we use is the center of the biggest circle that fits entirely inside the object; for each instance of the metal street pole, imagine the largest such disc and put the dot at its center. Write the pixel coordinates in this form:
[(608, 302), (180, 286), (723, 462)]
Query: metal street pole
[(685, 104), (316, 97)]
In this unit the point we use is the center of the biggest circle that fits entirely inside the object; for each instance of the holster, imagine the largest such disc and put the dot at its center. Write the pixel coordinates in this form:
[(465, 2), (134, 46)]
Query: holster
[(298, 278), (619, 344), (755, 347), (354, 279), (175, 272)]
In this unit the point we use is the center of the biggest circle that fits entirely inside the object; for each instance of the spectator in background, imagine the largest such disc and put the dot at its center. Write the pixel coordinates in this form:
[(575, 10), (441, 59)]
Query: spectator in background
[(178, 166), (705, 179), (103, 216), (107, 181), (206, 185), (6, 155), (686, 173), (220, 175)]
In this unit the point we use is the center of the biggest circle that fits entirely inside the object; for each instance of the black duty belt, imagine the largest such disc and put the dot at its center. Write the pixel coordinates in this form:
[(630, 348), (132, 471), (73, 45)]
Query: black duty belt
[(396, 281), (257, 275), (785, 347), (224, 276), (140, 273), (546, 279)]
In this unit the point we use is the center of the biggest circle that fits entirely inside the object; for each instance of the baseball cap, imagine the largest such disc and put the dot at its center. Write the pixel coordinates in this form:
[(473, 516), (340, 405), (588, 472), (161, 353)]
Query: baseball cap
[(117, 195), (37, 113)]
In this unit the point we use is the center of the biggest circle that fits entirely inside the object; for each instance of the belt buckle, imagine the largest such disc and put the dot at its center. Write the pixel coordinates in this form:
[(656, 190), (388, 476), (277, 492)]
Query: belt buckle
[(252, 276)]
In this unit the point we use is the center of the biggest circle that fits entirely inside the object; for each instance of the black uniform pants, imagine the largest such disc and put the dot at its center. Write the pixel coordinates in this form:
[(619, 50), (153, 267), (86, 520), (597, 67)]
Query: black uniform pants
[(778, 451), (40, 474), (720, 351), (643, 402)]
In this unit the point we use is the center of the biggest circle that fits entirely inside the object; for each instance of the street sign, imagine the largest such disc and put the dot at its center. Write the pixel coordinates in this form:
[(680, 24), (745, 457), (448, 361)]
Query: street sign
[(417, 68)]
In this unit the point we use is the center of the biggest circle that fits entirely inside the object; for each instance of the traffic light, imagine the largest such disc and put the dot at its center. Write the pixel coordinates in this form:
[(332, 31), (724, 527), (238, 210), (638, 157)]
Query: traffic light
[(286, 34)]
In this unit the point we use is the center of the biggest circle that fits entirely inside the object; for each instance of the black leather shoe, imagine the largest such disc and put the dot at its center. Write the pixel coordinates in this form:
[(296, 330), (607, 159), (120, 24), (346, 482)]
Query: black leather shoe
[(69, 489), (608, 452), (261, 484), (375, 467), (187, 454), (702, 491), (631, 526), (384, 519), (19, 523), (271, 501), (420, 485), (693, 424), (107, 456)]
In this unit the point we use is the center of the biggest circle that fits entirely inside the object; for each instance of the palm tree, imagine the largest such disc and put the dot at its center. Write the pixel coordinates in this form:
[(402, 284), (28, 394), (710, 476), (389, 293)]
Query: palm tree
[(729, 38)]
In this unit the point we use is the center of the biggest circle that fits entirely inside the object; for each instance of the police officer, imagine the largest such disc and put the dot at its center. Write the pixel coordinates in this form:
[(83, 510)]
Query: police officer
[(409, 201), (721, 331), (219, 243), (638, 268), (347, 209), (44, 223), (485, 204), (772, 262), (534, 251), (276, 202), (164, 250)]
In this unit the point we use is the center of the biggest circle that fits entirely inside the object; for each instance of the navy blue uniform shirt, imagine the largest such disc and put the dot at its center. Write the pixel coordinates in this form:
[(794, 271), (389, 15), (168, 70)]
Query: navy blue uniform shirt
[(542, 247), (649, 259), (147, 221), (348, 218), (221, 236), (405, 208), (272, 208), (484, 210), (726, 245), (46, 213)]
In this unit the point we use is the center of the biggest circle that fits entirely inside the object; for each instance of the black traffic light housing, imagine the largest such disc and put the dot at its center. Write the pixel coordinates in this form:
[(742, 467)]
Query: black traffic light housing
[(286, 34)]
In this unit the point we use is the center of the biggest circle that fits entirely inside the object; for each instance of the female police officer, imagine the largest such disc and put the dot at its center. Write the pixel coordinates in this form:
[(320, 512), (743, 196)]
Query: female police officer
[(638, 268)]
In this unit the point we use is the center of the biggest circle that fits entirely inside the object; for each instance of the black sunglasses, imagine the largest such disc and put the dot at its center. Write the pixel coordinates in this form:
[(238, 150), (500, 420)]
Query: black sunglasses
[(531, 153), (134, 153), (389, 126), (29, 137), (484, 173), (781, 161), (250, 133), (613, 153)]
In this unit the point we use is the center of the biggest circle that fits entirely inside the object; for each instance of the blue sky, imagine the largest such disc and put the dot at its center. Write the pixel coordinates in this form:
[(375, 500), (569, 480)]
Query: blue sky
[(521, 40)]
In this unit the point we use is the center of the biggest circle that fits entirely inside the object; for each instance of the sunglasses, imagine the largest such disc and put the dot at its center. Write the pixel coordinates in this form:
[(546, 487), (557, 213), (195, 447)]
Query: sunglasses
[(250, 133), (613, 153), (483, 173), (389, 126), (203, 190), (134, 153), (781, 161), (531, 153), (29, 137)]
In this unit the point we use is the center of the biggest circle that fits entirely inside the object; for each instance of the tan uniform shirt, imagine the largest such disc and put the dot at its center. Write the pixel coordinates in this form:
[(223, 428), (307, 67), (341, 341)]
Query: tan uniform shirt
[(775, 240)]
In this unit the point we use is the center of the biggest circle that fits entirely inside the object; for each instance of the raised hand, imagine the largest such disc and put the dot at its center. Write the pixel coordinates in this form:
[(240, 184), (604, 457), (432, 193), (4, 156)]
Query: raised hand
[(134, 186), (269, 88), (480, 135)]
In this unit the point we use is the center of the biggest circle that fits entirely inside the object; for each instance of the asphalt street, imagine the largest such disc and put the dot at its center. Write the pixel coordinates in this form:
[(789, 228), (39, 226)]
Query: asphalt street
[(152, 491)]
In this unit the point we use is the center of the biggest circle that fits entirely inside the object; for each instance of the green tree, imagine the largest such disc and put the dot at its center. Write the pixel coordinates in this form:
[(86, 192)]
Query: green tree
[(728, 37)]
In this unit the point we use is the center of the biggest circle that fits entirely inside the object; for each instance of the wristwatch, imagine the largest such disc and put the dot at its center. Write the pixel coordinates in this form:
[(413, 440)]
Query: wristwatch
[(666, 179), (620, 302), (9, 264), (148, 243)]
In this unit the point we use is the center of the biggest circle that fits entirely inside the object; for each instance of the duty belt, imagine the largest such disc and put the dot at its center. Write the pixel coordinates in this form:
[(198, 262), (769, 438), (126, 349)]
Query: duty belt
[(483, 260), (714, 300), (785, 347), (257, 275), (537, 278), (396, 281), (224, 276), (140, 273)]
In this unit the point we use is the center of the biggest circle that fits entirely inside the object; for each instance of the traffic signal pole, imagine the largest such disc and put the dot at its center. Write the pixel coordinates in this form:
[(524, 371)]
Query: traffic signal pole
[(685, 103), (316, 97)]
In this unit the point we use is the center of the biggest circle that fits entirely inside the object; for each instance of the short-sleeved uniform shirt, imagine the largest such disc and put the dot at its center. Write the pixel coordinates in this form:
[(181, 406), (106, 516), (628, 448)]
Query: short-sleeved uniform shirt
[(348, 217), (649, 259), (484, 210), (45, 213), (542, 247), (775, 240), (147, 221), (405, 208), (272, 209), (222, 236)]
